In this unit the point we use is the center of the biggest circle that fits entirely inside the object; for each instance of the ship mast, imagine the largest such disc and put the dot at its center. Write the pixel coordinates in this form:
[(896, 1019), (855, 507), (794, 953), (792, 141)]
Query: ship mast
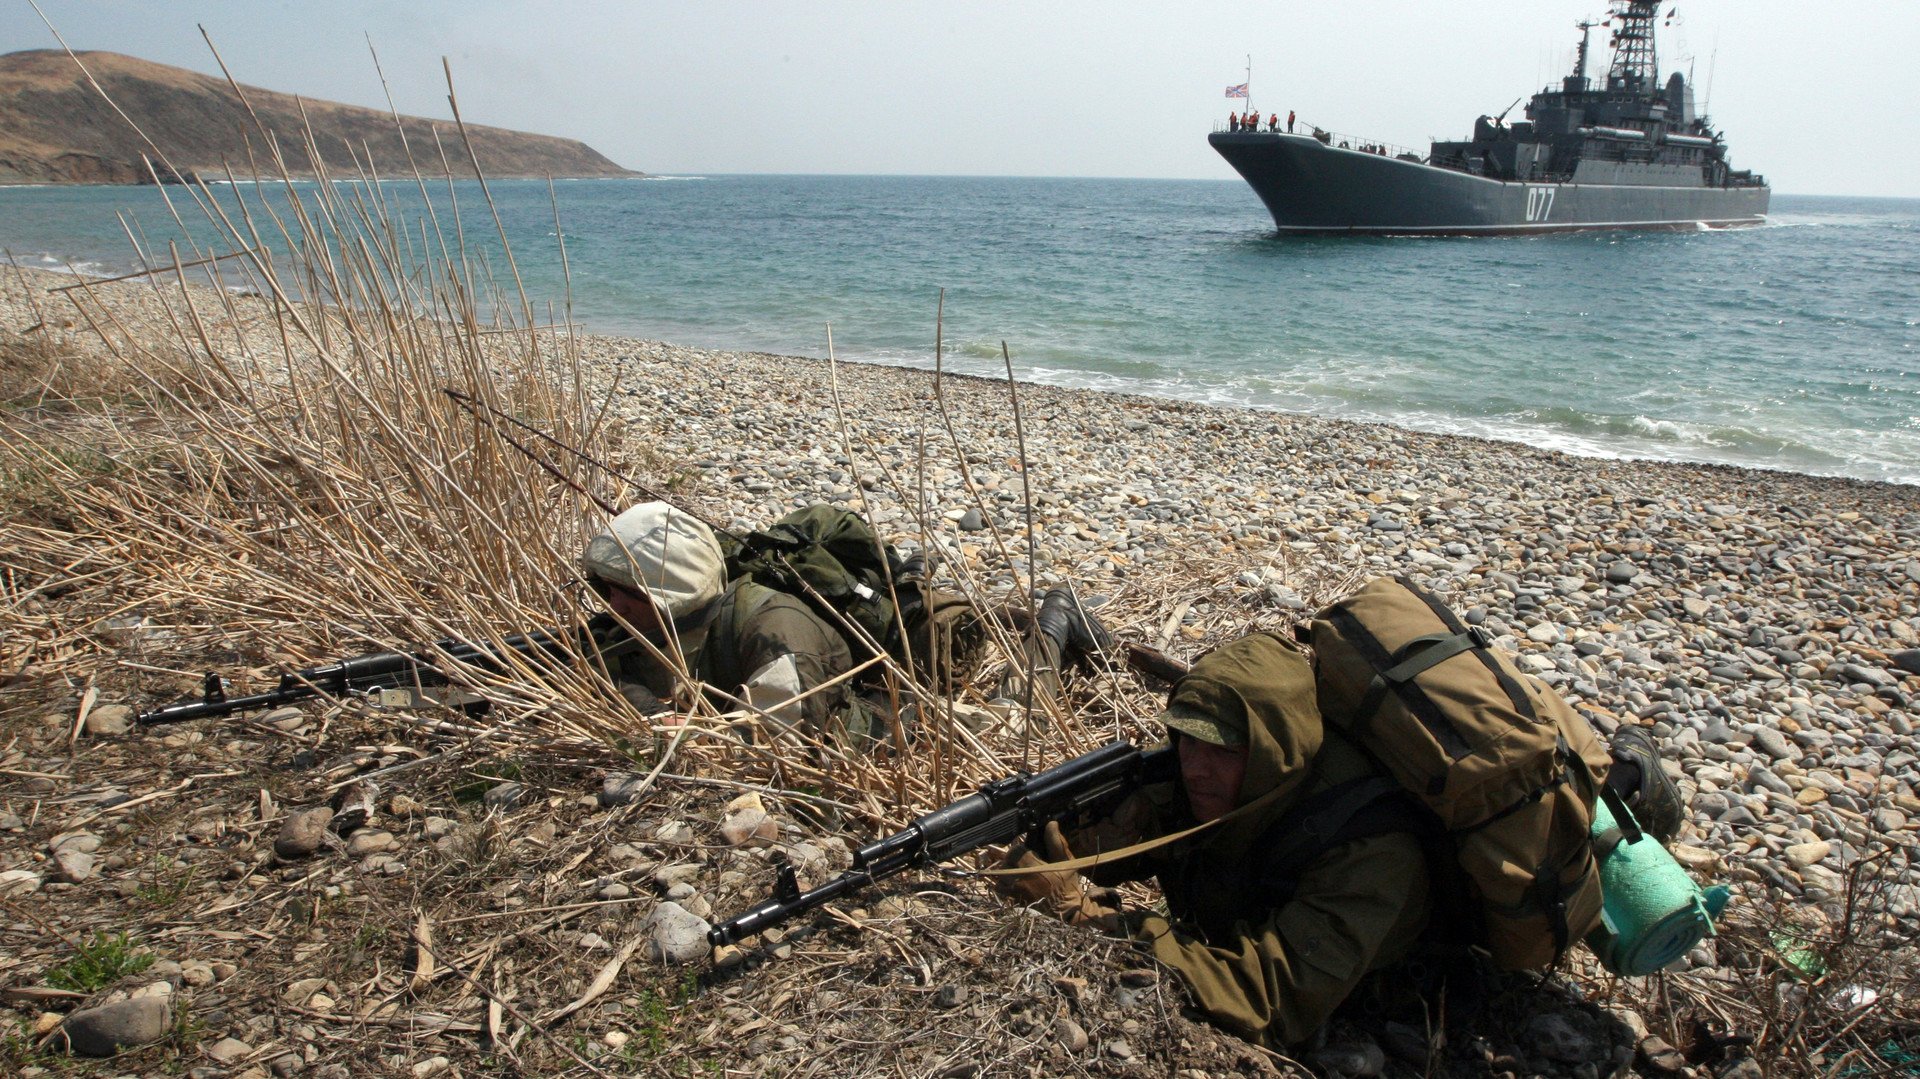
[(1578, 84), (1636, 66)]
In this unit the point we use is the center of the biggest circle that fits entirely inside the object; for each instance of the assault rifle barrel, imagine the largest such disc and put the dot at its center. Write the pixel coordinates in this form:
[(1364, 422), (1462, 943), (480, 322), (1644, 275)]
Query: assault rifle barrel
[(1072, 793), (358, 675)]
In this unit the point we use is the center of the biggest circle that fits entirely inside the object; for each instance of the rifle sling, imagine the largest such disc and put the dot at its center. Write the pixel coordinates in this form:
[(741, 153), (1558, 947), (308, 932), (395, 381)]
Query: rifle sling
[(1111, 856)]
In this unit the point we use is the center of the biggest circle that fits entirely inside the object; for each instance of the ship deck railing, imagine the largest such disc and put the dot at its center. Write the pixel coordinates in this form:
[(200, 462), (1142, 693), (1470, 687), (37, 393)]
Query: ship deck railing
[(1334, 139)]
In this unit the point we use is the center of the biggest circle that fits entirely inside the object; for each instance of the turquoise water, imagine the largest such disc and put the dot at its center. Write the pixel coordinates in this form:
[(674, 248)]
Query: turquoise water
[(1791, 346)]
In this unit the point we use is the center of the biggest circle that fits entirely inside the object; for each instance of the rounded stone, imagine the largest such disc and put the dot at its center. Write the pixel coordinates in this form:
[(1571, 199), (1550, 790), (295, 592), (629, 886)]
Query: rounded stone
[(676, 935), (303, 832), (369, 841), (109, 720), (104, 1031)]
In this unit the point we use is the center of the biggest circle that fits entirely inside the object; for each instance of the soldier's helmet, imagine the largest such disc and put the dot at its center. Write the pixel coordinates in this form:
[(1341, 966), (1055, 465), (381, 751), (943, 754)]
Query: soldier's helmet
[(662, 552)]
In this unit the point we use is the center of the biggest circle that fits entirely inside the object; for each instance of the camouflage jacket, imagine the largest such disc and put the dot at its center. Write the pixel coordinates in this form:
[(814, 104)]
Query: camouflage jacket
[(1272, 960), (756, 645)]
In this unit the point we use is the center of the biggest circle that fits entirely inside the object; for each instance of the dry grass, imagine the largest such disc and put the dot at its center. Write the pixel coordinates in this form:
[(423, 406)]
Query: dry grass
[(1803, 988)]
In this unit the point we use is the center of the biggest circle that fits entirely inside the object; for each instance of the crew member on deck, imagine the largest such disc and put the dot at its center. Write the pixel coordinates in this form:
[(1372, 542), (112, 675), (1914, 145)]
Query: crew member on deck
[(1289, 121), (1233, 121)]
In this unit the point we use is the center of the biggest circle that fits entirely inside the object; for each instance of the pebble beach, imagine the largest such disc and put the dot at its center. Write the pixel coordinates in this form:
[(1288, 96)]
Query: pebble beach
[(1766, 625)]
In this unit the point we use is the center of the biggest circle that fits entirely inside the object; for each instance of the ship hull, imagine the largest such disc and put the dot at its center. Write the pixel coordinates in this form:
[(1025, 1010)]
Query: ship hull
[(1313, 188)]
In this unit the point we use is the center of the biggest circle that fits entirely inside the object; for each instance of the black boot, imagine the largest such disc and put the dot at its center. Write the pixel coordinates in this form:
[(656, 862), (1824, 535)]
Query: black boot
[(1073, 627), (1646, 788), (1055, 619), (913, 569)]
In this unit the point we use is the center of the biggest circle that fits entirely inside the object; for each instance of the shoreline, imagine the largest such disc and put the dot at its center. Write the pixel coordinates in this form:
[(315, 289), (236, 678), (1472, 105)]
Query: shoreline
[(599, 344), (914, 371), (1583, 446)]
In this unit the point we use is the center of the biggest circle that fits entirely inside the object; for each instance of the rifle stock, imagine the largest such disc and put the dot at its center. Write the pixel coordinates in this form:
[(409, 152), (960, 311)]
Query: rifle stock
[(1072, 793), (1155, 663)]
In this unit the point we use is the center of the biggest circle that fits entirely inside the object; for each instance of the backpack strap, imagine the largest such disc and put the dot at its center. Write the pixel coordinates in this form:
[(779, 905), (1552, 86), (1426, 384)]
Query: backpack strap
[(1357, 809), (1516, 695), (1411, 695), (740, 602), (1625, 828)]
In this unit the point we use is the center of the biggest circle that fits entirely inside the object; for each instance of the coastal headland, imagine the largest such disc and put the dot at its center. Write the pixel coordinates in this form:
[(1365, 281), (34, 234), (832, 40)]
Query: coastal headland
[(1765, 626), (56, 128)]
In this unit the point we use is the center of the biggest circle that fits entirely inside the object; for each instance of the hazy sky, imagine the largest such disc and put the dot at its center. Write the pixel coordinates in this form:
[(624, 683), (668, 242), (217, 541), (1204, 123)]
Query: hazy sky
[(1820, 97)]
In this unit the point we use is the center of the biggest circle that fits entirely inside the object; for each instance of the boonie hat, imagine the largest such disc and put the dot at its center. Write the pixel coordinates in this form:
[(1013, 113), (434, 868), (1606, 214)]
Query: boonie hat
[(1204, 709), (656, 549)]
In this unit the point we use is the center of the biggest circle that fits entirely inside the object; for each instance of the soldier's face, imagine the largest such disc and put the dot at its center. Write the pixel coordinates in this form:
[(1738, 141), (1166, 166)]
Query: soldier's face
[(1212, 775), (637, 610)]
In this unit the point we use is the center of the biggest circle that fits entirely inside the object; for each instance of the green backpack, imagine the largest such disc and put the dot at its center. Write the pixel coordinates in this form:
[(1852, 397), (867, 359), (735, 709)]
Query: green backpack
[(1505, 769), (835, 561)]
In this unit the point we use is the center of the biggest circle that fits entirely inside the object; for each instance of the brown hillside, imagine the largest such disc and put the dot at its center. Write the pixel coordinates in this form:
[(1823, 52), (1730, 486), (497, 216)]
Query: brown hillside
[(54, 128)]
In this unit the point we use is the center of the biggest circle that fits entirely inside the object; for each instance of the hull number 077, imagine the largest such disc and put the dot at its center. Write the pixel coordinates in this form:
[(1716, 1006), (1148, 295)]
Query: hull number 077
[(1539, 203)]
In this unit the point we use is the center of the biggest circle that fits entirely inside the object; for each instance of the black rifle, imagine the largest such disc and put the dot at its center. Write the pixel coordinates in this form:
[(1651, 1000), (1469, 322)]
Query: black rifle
[(1074, 793), (362, 675)]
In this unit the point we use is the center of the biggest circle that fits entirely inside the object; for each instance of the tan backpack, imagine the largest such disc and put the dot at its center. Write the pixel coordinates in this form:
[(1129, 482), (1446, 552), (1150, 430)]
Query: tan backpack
[(1510, 770)]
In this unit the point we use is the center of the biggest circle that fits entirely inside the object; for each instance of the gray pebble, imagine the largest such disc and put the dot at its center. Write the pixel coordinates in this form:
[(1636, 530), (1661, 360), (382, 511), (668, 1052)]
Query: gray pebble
[(74, 866), (369, 841), (102, 1031), (620, 788), (1355, 1059), (676, 935), (504, 796), (1856, 673), (109, 720), (303, 832), (1554, 1036), (1774, 744), (228, 1050), (285, 719)]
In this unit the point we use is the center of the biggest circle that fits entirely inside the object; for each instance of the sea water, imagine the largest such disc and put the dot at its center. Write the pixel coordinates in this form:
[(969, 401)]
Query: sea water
[(1795, 345)]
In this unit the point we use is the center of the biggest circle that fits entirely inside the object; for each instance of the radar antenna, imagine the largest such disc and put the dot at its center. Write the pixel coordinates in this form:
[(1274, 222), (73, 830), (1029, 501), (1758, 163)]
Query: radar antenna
[(1636, 63)]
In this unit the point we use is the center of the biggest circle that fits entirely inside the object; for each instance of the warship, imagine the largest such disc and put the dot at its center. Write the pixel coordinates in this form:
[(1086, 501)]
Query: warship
[(1629, 152)]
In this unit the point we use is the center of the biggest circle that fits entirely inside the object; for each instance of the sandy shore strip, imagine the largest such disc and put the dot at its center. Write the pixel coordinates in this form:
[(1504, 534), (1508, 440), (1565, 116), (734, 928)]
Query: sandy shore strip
[(1764, 623)]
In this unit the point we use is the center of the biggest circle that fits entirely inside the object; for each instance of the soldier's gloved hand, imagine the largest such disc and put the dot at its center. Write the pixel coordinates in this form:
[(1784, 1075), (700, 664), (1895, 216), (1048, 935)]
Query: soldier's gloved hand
[(1035, 887), (1060, 892)]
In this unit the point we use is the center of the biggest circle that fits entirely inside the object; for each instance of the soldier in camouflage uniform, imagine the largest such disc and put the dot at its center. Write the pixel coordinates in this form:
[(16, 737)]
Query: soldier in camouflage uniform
[(1269, 965), (673, 614), (1270, 927)]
